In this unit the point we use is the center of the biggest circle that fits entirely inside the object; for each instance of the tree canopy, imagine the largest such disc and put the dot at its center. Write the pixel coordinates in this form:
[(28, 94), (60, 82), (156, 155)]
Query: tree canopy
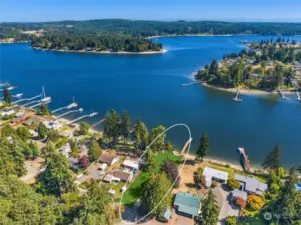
[(272, 160)]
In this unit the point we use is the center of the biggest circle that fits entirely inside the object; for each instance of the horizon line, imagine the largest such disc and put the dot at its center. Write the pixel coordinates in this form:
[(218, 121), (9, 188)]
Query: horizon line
[(231, 20)]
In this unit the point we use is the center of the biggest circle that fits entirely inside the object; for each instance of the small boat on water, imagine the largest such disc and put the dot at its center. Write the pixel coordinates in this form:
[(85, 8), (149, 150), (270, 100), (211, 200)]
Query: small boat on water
[(44, 98), (236, 98), (243, 42)]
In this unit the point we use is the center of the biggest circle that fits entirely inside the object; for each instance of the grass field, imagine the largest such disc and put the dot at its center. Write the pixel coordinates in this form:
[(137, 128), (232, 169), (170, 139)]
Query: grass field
[(133, 193)]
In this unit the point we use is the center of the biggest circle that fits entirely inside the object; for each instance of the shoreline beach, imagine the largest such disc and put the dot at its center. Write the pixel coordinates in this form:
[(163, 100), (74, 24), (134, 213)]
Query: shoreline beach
[(103, 52)]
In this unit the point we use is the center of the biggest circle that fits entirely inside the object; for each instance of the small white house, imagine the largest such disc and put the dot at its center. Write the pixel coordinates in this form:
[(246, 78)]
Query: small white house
[(131, 164), (213, 174)]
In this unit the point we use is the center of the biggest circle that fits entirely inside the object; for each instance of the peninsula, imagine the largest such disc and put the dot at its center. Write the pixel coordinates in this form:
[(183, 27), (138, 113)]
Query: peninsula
[(267, 65)]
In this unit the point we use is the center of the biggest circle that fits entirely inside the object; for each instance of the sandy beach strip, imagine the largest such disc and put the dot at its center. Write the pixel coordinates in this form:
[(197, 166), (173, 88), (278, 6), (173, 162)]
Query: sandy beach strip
[(103, 52)]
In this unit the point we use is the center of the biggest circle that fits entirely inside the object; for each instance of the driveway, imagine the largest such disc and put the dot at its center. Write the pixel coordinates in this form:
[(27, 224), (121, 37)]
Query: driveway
[(226, 208), (174, 220), (92, 173)]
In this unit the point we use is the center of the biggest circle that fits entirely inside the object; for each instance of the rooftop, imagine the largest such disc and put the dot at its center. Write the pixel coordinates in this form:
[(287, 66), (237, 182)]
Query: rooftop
[(187, 203), (131, 163), (107, 158), (209, 172), (251, 184)]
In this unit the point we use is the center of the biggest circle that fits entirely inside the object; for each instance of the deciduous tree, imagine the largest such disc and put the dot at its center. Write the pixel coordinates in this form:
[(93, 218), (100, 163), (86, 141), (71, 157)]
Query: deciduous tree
[(94, 151), (170, 168)]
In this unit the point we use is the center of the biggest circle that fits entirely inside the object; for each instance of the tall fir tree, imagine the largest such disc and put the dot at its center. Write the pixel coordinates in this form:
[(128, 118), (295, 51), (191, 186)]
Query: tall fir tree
[(203, 148), (272, 160), (210, 210)]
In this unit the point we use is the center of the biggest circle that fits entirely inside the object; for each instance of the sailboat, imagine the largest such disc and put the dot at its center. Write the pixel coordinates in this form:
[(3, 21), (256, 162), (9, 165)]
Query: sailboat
[(236, 99), (72, 105), (43, 96)]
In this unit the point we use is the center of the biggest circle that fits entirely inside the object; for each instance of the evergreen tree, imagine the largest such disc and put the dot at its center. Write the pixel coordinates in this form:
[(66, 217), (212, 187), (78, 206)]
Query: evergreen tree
[(56, 179), (159, 144), (149, 160), (125, 126), (140, 135), (94, 151), (272, 160), (7, 96), (156, 187), (285, 208), (203, 148), (210, 210), (111, 126)]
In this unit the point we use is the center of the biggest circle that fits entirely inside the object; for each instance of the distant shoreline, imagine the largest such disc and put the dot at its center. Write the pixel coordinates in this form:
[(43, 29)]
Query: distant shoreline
[(102, 52), (201, 35)]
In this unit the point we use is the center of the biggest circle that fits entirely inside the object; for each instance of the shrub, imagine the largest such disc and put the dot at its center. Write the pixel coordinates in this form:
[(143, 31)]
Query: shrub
[(213, 184), (255, 202), (233, 184), (240, 202), (231, 220)]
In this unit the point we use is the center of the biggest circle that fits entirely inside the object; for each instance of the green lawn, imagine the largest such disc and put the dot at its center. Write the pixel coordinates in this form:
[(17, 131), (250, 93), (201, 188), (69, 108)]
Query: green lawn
[(133, 193)]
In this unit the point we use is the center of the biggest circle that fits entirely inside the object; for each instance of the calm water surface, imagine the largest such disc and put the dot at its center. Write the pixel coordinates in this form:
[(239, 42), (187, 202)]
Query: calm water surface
[(150, 87)]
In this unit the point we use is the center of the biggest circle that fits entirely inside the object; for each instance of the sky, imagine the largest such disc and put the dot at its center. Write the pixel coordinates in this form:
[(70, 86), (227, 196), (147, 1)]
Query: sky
[(169, 10)]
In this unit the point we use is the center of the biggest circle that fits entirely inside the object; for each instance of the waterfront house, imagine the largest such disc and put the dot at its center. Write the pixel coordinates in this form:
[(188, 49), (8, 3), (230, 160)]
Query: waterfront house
[(251, 185), (238, 193), (187, 204), (108, 159), (213, 174)]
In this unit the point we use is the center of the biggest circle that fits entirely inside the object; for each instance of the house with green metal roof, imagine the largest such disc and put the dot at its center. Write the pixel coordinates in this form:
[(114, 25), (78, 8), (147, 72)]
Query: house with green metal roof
[(187, 204)]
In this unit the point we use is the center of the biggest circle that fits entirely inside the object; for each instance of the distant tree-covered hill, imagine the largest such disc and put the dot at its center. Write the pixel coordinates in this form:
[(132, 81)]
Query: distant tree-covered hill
[(154, 28)]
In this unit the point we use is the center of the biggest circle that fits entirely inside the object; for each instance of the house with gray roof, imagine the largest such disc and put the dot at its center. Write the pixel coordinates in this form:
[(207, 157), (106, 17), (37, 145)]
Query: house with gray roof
[(187, 204), (238, 193), (251, 185)]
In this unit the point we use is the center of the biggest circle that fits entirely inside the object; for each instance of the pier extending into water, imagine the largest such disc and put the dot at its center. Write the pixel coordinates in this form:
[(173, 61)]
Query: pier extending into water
[(298, 96), (82, 117), (80, 110), (236, 99), (185, 146), (97, 123), (244, 159), (282, 95)]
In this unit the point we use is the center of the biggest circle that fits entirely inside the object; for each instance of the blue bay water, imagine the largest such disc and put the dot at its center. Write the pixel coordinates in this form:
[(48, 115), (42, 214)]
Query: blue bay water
[(149, 87)]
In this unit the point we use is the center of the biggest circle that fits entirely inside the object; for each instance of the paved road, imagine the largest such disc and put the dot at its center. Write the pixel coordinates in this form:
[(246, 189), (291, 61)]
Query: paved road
[(226, 209)]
